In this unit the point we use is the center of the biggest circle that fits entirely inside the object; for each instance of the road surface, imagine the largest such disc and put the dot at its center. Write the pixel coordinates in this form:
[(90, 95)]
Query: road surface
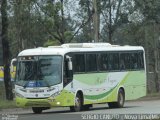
[(99, 111)]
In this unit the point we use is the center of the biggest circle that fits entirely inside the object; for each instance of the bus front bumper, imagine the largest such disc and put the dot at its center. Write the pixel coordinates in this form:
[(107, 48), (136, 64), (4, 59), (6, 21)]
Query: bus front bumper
[(41, 102)]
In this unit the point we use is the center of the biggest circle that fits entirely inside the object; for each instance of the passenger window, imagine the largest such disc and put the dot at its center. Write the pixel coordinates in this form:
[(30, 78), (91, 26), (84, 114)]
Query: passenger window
[(140, 60), (113, 63), (91, 63), (103, 62), (79, 63)]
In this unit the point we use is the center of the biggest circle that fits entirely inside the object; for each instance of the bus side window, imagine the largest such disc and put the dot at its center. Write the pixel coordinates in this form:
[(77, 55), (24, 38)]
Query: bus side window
[(91, 63), (134, 61), (113, 61), (140, 60), (122, 65), (110, 63), (103, 62), (79, 63)]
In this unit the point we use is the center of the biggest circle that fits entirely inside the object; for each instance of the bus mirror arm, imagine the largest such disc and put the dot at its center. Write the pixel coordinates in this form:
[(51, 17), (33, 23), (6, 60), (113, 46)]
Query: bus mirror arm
[(70, 75)]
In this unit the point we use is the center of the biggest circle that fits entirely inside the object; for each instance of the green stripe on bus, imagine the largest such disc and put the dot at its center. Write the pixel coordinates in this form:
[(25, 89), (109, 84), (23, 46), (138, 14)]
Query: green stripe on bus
[(100, 96)]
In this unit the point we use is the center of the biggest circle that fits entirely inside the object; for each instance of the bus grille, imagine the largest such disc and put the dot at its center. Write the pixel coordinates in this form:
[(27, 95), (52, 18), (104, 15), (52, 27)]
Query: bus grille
[(36, 91)]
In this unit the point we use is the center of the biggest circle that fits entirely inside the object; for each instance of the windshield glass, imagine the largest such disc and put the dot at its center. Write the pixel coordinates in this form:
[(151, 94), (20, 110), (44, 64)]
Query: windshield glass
[(39, 71)]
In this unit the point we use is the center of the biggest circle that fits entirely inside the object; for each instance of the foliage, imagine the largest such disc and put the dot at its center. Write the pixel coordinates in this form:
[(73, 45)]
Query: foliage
[(4, 104), (150, 9), (6, 50)]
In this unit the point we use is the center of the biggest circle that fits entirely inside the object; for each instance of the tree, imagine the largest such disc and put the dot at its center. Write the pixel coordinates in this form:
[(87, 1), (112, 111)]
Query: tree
[(96, 20), (115, 15), (111, 11), (6, 51), (55, 22), (20, 22), (87, 15), (150, 10)]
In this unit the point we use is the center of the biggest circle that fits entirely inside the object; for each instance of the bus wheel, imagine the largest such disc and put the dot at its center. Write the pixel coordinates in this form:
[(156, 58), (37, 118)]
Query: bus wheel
[(37, 110), (120, 101), (78, 104)]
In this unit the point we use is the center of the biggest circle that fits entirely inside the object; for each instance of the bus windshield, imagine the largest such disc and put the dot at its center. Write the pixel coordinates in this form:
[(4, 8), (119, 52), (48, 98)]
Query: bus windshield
[(39, 71)]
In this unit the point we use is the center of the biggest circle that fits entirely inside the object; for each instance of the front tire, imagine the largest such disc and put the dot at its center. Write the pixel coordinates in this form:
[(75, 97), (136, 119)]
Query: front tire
[(120, 101), (37, 110), (78, 104)]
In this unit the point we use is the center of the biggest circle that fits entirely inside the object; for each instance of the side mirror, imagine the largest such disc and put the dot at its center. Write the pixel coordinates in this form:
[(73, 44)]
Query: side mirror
[(70, 68), (70, 65), (13, 61), (69, 62)]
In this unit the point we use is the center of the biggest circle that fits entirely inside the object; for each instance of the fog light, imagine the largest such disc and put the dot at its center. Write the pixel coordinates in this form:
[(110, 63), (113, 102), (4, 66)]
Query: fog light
[(58, 103)]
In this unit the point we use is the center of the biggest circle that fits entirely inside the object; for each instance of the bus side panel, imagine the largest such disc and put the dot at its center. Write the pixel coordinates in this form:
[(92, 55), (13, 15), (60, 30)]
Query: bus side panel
[(66, 98), (135, 85), (93, 86), (99, 87)]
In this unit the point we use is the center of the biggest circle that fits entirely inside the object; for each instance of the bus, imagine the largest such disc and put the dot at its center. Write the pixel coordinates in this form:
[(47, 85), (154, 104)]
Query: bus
[(78, 75), (2, 74)]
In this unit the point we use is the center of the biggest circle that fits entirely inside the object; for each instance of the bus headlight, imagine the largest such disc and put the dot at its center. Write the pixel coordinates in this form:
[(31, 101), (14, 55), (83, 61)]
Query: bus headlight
[(23, 90), (19, 95)]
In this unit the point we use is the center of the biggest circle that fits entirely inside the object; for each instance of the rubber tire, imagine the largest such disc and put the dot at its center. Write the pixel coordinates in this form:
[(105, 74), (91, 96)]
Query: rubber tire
[(77, 107), (119, 103), (37, 110)]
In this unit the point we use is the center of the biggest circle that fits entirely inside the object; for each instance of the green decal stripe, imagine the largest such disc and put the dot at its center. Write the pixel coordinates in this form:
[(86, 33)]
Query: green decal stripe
[(125, 78), (100, 96)]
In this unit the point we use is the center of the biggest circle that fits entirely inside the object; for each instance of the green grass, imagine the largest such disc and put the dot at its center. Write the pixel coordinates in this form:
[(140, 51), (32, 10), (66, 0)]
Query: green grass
[(2, 91), (4, 104)]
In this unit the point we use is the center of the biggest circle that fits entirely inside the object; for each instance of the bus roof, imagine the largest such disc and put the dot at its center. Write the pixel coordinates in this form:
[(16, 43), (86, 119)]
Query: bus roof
[(77, 47)]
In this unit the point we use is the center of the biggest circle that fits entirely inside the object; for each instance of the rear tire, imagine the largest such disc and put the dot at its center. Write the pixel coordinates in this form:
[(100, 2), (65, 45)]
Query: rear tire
[(120, 101), (37, 110), (78, 104)]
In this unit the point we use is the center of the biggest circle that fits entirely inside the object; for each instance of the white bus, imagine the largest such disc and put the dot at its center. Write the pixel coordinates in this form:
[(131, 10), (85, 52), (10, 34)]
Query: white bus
[(79, 75)]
